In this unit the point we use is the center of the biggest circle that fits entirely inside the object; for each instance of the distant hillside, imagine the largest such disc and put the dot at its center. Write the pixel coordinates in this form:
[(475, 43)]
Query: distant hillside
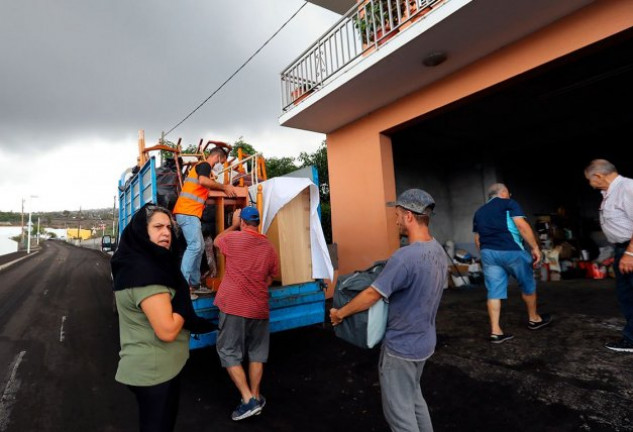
[(63, 219)]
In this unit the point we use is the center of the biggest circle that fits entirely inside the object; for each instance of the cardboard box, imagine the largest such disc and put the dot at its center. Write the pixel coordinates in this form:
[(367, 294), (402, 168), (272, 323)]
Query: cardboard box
[(456, 269)]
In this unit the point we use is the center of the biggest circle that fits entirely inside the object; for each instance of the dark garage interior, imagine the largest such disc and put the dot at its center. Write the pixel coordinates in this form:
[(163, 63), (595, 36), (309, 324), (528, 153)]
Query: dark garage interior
[(538, 132)]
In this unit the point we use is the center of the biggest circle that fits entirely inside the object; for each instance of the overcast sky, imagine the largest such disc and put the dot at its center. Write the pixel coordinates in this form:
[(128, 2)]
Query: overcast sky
[(80, 78)]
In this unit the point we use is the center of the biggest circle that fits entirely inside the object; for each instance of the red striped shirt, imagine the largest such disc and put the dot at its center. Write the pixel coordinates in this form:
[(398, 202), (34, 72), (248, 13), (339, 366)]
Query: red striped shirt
[(249, 260)]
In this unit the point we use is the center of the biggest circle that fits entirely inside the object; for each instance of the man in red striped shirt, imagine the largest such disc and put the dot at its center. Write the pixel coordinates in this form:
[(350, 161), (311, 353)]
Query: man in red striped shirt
[(250, 265)]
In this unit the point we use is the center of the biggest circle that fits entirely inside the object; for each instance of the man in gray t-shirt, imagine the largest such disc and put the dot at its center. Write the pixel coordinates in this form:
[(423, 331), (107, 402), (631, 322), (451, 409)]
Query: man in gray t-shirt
[(412, 282)]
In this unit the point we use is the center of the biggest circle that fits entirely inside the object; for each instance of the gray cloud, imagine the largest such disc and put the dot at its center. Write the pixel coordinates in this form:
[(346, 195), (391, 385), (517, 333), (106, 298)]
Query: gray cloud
[(81, 77), (108, 68)]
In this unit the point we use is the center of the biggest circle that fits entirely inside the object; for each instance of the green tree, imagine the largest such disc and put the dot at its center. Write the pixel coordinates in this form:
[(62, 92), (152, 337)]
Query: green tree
[(10, 217), (164, 154), (318, 159), (276, 167), (326, 220), (246, 147), (190, 149), (247, 150)]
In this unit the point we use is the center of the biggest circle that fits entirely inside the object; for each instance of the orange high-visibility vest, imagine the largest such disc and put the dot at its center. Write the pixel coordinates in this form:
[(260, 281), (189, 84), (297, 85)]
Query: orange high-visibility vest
[(192, 196)]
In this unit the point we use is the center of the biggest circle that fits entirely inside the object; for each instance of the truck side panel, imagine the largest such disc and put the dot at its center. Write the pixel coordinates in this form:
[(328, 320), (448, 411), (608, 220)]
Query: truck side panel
[(291, 306), (137, 191)]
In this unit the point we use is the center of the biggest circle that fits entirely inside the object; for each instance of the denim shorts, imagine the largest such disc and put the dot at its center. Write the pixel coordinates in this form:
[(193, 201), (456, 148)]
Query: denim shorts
[(499, 265)]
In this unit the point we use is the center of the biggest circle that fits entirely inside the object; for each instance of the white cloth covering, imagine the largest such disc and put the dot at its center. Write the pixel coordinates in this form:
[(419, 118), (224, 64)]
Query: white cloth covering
[(277, 192)]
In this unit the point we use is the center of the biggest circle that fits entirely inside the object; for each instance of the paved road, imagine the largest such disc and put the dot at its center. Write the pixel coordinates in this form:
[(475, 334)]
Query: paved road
[(59, 351), (58, 343)]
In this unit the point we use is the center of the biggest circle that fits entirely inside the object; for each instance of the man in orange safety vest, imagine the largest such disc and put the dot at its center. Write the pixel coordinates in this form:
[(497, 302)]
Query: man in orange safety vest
[(188, 212)]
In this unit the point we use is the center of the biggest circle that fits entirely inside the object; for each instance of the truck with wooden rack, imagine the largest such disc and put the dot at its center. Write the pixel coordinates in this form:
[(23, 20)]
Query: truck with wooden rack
[(288, 207)]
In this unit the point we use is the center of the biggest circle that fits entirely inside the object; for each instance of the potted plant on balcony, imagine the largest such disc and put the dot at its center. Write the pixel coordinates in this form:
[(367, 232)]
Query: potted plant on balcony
[(301, 92), (373, 20), (417, 8)]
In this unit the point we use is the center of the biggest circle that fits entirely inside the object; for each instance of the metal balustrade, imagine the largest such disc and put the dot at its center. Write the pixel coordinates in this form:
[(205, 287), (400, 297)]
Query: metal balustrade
[(362, 30)]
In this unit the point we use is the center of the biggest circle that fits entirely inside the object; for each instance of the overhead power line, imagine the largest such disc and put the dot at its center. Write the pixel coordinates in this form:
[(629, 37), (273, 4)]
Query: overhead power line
[(237, 71)]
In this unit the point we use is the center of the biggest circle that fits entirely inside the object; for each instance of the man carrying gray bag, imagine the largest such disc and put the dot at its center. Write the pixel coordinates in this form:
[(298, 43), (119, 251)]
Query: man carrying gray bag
[(412, 282)]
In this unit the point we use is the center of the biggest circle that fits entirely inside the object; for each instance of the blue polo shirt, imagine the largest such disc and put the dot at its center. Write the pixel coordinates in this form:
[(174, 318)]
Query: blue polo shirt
[(493, 222)]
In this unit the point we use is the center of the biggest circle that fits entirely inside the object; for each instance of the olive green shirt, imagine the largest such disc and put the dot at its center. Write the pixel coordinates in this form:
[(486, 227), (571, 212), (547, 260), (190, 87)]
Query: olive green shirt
[(145, 359)]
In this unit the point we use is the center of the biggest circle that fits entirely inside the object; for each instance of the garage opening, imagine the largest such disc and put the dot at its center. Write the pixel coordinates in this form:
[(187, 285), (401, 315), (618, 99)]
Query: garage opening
[(536, 133)]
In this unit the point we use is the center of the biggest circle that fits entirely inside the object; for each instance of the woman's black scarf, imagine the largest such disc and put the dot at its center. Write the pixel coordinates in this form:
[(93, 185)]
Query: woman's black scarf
[(138, 262)]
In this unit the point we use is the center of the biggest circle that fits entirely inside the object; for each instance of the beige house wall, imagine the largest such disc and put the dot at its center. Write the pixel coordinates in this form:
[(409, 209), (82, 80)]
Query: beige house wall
[(360, 157)]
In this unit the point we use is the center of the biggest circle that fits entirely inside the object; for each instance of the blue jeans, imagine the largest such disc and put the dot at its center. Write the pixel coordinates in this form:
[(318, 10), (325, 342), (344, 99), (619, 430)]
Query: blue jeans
[(498, 265), (192, 231), (624, 288)]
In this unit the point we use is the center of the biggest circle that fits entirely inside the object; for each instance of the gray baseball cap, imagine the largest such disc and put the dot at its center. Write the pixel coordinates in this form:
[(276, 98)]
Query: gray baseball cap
[(414, 200)]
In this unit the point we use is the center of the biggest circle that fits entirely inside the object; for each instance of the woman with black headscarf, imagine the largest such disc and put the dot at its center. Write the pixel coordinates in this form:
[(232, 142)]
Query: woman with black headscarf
[(155, 316)]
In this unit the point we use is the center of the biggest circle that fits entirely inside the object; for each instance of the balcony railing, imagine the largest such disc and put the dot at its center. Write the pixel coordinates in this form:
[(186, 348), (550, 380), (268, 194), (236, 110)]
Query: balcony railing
[(362, 30)]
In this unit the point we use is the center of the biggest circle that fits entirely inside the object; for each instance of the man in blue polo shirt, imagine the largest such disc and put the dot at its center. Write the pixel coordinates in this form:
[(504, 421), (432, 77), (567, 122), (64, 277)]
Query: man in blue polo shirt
[(500, 229)]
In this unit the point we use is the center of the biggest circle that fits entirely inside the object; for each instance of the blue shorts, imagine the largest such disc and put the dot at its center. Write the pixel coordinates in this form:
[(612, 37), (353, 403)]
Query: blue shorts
[(498, 265)]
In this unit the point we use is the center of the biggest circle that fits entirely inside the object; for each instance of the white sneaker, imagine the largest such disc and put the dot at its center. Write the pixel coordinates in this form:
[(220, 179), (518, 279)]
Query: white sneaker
[(193, 296)]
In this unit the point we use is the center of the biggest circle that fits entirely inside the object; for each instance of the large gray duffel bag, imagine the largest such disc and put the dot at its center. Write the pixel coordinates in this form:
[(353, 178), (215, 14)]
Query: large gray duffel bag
[(364, 329)]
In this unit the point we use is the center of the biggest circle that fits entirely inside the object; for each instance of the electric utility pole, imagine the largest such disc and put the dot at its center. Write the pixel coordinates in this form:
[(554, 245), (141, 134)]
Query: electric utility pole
[(22, 225), (79, 226)]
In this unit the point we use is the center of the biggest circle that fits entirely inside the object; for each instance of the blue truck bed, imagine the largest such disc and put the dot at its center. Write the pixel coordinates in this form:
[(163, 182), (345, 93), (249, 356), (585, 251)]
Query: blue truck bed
[(291, 306), (136, 191)]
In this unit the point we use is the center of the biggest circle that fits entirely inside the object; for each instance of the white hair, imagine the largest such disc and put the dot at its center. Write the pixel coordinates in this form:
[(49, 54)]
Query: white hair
[(496, 189), (600, 166)]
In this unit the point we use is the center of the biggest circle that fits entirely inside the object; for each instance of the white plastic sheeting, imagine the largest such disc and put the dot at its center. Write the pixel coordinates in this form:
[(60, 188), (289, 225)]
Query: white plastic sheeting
[(277, 192)]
